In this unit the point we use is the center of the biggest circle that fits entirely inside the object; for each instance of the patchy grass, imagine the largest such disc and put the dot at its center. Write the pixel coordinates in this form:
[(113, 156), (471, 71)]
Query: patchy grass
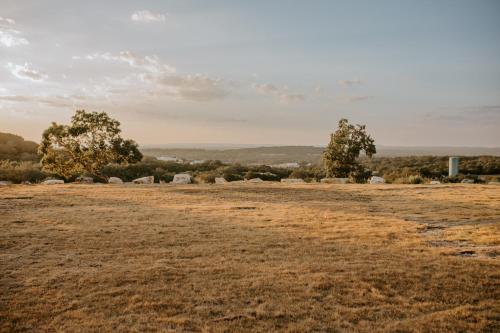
[(260, 257)]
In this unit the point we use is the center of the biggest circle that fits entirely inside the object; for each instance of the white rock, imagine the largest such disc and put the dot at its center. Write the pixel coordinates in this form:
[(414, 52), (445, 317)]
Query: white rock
[(335, 180), (255, 180), (494, 183), (5, 182), (52, 182), (292, 180), (220, 180), (144, 180), (84, 180), (181, 178), (467, 181), (115, 180), (435, 182), (377, 180)]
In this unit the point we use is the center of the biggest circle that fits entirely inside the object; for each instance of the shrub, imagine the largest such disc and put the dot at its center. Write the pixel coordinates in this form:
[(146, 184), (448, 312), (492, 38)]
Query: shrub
[(18, 172)]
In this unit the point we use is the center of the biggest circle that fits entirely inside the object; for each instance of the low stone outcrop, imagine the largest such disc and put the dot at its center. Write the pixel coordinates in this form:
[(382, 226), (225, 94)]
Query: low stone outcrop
[(84, 180), (255, 180), (292, 181), (5, 182), (115, 180), (335, 180), (377, 180), (435, 182), (52, 182), (144, 180), (220, 180), (182, 178), (467, 181)]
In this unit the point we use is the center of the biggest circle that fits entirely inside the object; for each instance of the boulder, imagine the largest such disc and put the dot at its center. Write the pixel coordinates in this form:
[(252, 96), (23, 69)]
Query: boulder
[(467, 181), (377, 180), (52, 182), (182, 178), (494, 183), (26, 182), (84, 180), (115, 180), (435, 182), (144, 180), (220, 180), (5, 182), (292, 181), (335, 180), (255, 180)]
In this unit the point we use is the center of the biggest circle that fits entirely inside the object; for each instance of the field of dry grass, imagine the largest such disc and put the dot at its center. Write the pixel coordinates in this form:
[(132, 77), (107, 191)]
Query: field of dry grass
[(262, 257)]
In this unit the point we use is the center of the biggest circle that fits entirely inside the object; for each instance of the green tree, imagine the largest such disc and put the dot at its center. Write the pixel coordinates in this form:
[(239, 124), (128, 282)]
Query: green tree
[(90, 142), (341, 154)]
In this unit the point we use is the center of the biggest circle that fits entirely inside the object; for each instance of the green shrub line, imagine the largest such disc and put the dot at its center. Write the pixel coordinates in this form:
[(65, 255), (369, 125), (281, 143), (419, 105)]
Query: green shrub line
[(396, 170)]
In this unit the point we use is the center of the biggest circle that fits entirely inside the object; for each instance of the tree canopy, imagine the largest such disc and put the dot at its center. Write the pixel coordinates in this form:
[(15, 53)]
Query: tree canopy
[(91, 141), (340, 156)]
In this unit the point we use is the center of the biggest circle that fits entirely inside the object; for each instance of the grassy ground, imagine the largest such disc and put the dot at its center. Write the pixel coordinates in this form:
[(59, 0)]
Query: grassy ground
[(270, 257)]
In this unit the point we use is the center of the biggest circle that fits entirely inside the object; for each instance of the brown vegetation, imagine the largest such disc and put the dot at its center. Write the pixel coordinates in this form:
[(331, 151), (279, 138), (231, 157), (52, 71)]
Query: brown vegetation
[(267, 257)]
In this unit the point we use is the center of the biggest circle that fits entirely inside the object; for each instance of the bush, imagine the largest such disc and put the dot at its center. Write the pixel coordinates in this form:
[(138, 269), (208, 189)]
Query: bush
[(207, 177), (18, 172), (413, 179)]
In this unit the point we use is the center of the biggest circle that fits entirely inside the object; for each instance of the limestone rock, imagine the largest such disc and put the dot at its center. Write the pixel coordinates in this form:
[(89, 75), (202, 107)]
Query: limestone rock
[(435, 182), (52, 182), (292, 181), (115, 180), (335, 180), (5, 182), (255, 180), (467, 181), (144, 180), (220, 180), (377, 180), (182, 178), (84, 180)]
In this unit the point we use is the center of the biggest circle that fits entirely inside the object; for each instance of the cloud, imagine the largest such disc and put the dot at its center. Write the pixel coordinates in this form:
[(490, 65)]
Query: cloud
[(350, 83), (162, 79), (354, 99), (148, 63), (9, 37), (191, 87), (146, 16), (57, 101), (26, 72), (282, 94)]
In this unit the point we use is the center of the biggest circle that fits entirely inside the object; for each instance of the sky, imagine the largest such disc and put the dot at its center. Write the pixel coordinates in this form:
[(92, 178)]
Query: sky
[(417, 73)]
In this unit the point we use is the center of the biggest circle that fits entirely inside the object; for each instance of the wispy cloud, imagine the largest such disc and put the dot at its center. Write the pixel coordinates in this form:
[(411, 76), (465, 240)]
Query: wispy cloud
[(163, 79), (26, 72), (355, 99), (146, 16), (350, 83), (10, 37), (282, 94)]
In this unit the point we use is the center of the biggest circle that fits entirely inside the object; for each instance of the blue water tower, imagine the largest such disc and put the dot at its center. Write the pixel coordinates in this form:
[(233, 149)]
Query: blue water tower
[(453, 166)]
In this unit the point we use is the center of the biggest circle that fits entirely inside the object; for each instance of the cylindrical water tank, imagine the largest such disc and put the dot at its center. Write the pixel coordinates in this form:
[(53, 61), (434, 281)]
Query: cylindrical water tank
[(453, 166)]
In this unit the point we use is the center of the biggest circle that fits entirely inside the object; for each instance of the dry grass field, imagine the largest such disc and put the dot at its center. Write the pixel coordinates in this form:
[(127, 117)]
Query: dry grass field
[(250, 258)]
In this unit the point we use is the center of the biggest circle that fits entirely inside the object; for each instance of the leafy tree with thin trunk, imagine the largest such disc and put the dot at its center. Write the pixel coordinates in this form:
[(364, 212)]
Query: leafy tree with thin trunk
[(91, 141), (341, 154)]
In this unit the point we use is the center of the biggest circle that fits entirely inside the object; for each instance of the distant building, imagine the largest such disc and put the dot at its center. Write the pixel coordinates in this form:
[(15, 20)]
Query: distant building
[(291, 165), (169, 159), (453, 167)]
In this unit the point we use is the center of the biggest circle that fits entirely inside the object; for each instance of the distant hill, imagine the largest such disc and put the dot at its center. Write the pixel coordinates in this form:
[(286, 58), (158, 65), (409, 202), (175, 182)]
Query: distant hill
[(284, 154), (15, 148)]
